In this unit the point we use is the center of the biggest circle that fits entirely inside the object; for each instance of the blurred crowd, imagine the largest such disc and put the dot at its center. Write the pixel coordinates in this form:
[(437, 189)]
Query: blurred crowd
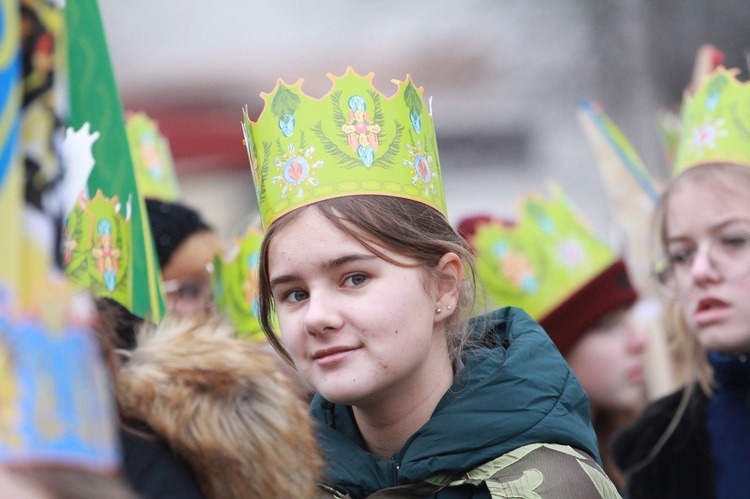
[(143, 355)]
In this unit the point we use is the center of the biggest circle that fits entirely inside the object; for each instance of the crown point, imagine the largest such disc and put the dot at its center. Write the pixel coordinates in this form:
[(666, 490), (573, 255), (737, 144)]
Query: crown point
[(712, 131)]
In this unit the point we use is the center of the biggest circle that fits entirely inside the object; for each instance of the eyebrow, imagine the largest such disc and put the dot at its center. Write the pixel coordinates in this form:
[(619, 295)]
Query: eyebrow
[(713, 230), (734, 221), (326, 266), (342, 260)]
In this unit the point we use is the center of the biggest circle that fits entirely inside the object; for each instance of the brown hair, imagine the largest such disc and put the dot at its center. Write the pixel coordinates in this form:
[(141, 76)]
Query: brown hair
[(404, 226), (717, 177)]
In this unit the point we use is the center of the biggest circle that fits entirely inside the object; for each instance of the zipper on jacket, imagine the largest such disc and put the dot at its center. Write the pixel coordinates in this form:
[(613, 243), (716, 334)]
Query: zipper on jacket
[(397, 467)]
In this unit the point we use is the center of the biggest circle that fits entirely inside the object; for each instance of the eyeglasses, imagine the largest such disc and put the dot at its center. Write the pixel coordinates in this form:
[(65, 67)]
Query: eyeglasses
[(728, 253), (188, 296)]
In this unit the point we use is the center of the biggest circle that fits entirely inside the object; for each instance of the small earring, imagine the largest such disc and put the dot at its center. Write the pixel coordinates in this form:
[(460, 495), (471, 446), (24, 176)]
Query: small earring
[(448, 307), (438, 310)]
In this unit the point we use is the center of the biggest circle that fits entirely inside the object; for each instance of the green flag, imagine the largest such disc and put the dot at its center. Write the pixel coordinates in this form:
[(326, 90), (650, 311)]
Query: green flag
[(94, 99)]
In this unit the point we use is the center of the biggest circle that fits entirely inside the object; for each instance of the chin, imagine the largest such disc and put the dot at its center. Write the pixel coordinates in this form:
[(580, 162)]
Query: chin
[(728, 350), (339, 396), (629, 400), (725, 342)]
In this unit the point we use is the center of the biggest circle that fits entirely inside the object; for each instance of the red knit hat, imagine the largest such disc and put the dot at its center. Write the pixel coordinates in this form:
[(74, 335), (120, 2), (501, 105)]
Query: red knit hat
[(605, 293)]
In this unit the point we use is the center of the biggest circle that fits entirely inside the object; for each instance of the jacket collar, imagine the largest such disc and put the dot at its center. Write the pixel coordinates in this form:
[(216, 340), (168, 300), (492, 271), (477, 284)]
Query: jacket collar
[(515, 389)]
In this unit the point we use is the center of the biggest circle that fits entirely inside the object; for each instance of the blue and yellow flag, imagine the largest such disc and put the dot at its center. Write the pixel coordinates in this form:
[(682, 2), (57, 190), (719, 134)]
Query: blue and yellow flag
[(57, 407), (11, 175)]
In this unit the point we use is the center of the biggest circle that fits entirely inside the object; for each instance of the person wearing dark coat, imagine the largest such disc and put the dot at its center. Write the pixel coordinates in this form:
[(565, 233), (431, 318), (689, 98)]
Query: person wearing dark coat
[(664, 462), (366, 288), (696, 442), (150, 466)]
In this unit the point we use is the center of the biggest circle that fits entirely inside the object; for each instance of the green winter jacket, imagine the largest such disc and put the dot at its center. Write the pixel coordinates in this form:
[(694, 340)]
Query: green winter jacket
[(514, 392)]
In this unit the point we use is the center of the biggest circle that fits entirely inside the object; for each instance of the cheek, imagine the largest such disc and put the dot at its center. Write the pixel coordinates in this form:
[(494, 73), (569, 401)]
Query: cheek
[(592, 372), (742, 292), (291, 335), (686, 306), (599, 381), (594, 360)]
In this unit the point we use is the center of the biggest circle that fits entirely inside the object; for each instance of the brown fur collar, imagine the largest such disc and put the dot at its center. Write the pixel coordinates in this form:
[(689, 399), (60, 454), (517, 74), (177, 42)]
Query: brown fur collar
[(225, 408)]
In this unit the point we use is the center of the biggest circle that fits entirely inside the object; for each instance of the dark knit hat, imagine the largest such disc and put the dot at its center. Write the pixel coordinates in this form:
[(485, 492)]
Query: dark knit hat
[(603, 294), (171, 224)]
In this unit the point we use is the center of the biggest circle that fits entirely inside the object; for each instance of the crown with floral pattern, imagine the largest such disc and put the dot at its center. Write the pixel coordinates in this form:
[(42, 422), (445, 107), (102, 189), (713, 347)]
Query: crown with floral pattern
[(352, 141), (58, 409), (715, 122), (152, 158), (539, 260), (235, 284), (96, 248)]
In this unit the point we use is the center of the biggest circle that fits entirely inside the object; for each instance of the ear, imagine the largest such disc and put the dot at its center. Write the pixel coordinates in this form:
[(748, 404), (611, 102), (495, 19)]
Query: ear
[(451, 272)]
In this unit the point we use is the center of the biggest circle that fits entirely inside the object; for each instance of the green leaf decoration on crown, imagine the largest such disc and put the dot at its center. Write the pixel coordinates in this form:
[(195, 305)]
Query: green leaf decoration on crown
[(414, 102), (352, 141), (152, 159), (539, 260), (235, 285), (283, 106), (715, 122), (96, 248)]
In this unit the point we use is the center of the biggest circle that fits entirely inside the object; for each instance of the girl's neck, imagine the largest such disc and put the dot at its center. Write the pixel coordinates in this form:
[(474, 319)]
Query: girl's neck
[(385, 426)]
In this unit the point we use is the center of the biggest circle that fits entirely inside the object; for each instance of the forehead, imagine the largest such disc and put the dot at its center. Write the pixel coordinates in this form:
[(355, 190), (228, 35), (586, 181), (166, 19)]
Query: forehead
[(309, 224), (309, 236), (707, 199), (190, 258), (310, 239)]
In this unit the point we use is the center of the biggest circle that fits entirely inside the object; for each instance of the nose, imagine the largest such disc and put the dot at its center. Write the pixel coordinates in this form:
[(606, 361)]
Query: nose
[(702, 269), (637, 338), (322, 314)]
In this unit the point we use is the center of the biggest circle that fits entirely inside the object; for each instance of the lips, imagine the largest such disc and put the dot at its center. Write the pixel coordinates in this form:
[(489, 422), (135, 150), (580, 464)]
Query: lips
[(635, 374), (710, 310), (332, 355)]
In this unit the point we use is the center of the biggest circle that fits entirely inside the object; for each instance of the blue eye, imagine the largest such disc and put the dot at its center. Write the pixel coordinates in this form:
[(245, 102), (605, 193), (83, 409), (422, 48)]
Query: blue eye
[(683, 257), (296, 295), (735, 241), (355, 280)]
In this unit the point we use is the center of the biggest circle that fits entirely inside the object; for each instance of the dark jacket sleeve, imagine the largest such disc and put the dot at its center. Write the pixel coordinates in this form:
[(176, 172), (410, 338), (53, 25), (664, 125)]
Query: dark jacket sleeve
[(152, 469)]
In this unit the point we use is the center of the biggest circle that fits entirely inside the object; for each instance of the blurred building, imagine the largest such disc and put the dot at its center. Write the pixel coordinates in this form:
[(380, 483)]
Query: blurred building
[(505, 78)]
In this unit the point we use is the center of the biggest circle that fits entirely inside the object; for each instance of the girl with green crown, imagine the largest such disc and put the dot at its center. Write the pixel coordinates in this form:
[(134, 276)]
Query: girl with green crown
[(366, 289), (549, 261), (696, 442)]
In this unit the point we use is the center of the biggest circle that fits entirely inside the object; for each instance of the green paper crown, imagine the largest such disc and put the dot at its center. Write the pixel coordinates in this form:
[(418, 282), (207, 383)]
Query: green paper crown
[(152, 159), (235, 285), (541, 259), (352, 141), (715, 122), (96, 248)]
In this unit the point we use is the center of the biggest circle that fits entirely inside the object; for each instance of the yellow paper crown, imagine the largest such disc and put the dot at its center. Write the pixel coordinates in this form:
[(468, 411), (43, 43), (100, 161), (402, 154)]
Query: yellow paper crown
[(352, 141), (541, 259), (715, 122)]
